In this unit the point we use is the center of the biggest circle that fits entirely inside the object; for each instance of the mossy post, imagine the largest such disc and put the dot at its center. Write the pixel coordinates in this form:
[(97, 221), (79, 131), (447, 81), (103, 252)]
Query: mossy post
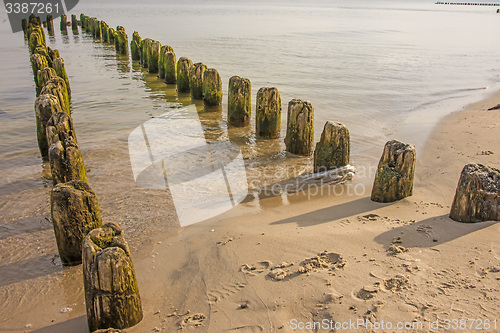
[(212, 87), (135, 46), (75, 212), (38, 62), (333, 149), (50, 25), (57, 87), (268, 113), (43, 76), (196, 80), (74, 24), (66, 162), (153, 56), (24, 25), (64, 23), (35, 41), (104, 32), (59, 128), (170, 66), (82, 21), (395, 172), (300, 127), (161, 60), (112, 35), (45, 107), (58, 65), (239, 101), (183, 68), (144, 51), (111, 293), (477, 197), (96, 28), (121, 41)]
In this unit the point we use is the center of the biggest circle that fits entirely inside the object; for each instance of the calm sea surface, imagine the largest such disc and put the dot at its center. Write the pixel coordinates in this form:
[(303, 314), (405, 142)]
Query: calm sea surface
[(386, 69)]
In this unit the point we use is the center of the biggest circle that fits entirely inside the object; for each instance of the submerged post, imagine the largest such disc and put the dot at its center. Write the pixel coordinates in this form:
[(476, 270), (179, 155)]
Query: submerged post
[(196, 80), (153, 56), (395, 172), (212, 87), (111, 293), (477, 197), (300, 127), (75, 212), (268, 113), (170, 65), (121, 41), (45, 106), (161, 61), (183, 67), (135, 45), (239, 101), (333, 149)]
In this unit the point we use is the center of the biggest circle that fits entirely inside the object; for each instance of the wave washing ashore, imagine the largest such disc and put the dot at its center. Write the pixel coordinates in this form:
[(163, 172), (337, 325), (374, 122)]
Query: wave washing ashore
[(232, 266)]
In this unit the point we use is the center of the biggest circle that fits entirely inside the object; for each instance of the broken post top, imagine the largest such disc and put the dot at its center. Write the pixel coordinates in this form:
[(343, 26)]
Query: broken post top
[(399, 154), (109, 235)]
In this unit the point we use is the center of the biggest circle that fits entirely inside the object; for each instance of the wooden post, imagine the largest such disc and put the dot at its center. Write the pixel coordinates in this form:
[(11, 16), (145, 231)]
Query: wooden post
[(66, 162), (45, 106), (135, 45), (50, 25), (212, 87), (477, 197), (35, 41), (59, 128), (58, 65), (57, 87), (395, 172), (111, 293), (43, 76), (183, 68), (300, 127), (170, 65), (153, 56), (24, 25), (144, 51), (75, 212), (104, 31), (82, 21), (74, 24), (112, 36), (64, 23), (333, 149), (38, 62), (196, 80), (239, 101), (121, 41), (268, 113), (161, 61)]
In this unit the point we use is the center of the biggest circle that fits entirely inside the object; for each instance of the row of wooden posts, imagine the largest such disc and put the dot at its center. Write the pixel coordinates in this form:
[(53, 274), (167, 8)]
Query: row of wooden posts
[(396, 169), (111, 293)]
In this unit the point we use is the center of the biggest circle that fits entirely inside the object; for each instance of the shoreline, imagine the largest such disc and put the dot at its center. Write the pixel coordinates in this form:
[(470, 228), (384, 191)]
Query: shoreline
[(267, 269)]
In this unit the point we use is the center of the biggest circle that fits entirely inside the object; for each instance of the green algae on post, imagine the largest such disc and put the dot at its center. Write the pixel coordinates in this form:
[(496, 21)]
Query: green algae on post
[(50, 25), (109, 278), (59, 128), (43, 76), (170, 66), (268, 113), (196, 80), (74, 24), (300, 127), (38, 62), (63, 25), (57, 87), (66, 162), (395, 172), (212, 87), (45, 107), (121, 40), (183, 67), (239, 101), (153, 56), (58, 65), (104, 31), (75, 212), (135, 45), (333, 149), (161, 61)]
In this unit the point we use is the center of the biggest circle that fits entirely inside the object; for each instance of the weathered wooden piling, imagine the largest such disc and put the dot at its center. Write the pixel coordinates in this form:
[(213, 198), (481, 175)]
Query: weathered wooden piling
[(50, 25), (64, 23), (112, 36), (395, 172), (57, 87), (58, 65), (161, 60), (75, 212), (153, 56), (121, 40), (333, 149), (74, 24), (66, 162), (268, 113), (104, 31), (239, 101), (212, 87), (82, 21), (135, 45), (300, 127), (477, 197), (35, 41), (38, 62), (196, 80), (183, 68), (45, 106), (59, 128), (170, 66), (53, 53), (111, 293), (43, 76), (96, 28), (144, 51)]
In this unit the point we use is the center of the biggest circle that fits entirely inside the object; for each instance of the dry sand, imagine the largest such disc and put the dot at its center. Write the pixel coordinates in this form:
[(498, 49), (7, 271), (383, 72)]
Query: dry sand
[(277, 264)]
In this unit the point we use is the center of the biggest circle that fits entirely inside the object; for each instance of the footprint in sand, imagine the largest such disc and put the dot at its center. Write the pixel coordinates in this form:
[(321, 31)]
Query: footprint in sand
[(426, 230), (256, 269), (367, 292), (225, 291)]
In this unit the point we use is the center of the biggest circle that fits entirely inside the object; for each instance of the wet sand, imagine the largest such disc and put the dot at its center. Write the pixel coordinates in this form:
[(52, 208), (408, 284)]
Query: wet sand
[(278, 263)]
